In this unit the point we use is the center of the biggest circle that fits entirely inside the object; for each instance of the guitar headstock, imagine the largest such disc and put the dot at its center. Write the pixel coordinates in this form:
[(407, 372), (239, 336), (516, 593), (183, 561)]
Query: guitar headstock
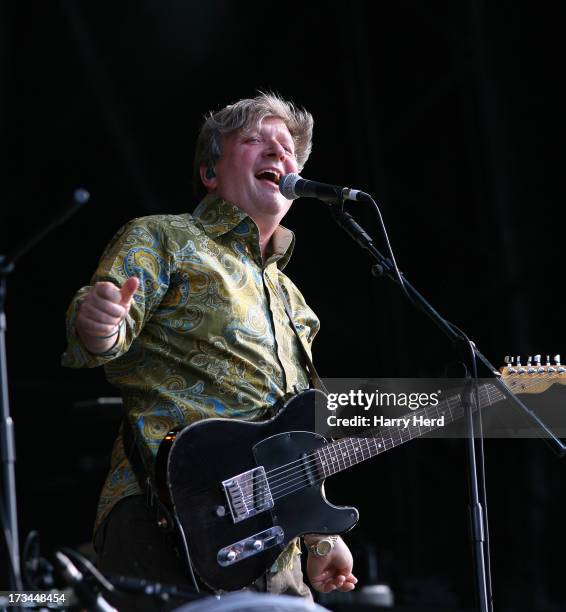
[(533, 376)]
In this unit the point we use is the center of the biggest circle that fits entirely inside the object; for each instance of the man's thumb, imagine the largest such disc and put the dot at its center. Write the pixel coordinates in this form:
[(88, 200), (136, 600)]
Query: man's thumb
[(128, 289)]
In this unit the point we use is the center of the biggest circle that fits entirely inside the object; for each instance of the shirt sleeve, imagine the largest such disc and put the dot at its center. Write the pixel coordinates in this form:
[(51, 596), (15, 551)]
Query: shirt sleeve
[(140, 248)]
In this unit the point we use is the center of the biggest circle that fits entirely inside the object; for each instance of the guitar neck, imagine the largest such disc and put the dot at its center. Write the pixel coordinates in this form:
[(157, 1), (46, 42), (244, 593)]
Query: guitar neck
[(346, 452)]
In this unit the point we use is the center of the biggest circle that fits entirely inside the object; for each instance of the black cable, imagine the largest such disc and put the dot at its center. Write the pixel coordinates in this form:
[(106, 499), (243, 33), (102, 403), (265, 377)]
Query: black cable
[(472, 360), (119, 587), (87, 565), (187, 553), (396, 270)]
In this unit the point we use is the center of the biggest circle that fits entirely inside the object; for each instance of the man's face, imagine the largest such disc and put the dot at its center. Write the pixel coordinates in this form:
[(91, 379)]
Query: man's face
[(249, 169)]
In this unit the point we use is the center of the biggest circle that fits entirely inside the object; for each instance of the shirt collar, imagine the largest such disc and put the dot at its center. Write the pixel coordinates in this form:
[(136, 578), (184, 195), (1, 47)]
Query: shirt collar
[(281, 246), (219, 217)]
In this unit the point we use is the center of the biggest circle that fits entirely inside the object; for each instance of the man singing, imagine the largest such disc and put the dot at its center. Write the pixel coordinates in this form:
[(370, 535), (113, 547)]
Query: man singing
[(186, 313)]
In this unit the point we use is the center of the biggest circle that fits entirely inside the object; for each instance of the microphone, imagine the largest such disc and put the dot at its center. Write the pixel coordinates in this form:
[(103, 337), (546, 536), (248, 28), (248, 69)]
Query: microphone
[(294, 186)]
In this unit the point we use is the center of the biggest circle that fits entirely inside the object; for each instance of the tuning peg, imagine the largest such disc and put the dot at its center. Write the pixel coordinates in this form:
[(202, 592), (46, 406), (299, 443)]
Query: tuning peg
[(509, 362), (519, 360), (539, 367), (560, 368), (549, 367), (530, 368)]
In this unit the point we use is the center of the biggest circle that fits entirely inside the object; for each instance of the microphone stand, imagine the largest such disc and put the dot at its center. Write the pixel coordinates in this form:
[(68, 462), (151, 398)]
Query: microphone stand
[(8, 506), (471, 354)]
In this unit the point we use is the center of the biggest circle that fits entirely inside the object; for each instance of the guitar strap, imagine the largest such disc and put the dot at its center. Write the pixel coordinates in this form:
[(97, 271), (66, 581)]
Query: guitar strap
[(315, 379), (143, 476)]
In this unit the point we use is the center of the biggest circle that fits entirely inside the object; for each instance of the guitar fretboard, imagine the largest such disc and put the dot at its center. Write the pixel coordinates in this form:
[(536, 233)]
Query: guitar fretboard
[(346, 452)]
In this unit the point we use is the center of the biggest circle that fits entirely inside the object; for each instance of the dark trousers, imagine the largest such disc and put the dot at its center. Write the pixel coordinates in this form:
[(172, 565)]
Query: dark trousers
[(129, 543)]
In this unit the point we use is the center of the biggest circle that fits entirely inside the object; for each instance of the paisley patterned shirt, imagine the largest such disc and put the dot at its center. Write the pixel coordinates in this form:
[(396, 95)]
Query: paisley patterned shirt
[(207, 334)]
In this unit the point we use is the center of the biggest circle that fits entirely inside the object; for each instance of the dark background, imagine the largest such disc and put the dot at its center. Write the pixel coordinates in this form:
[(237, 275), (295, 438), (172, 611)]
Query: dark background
[(447, 112)]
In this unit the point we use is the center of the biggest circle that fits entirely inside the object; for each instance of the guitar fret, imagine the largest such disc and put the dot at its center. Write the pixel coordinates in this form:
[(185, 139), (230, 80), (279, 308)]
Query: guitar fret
[(331, 459), (361, 445), (345, 453), (350, 447), (325, 465), (348, 442), (335, 459), (322, 461), (341, 455), (356, 445), (399, 436)]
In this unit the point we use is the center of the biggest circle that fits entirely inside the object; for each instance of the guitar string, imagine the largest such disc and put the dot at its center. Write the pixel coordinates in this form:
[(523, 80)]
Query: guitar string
[(298, 488), (341, 457), (280, 484), (488, 390), (284, 491), (292, 486), (338, 462), (346, 456), (446, 405)]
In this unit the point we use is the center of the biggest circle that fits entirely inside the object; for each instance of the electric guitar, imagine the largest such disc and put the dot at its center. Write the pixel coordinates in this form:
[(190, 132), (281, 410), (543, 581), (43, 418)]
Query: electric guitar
[(241, 491)]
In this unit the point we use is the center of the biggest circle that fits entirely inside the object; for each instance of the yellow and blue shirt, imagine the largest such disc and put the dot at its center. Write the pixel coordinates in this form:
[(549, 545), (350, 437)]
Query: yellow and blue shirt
[(207, 334)]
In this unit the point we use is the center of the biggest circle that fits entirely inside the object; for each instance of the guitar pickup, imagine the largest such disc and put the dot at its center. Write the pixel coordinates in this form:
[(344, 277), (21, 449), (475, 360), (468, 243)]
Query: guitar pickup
[(248, 494), (250, 546)]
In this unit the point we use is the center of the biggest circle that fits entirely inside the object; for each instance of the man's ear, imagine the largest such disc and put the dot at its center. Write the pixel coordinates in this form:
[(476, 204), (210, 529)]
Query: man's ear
[(208, 177)]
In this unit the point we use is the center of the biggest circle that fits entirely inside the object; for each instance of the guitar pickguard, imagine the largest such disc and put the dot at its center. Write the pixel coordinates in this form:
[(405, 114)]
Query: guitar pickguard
[(299, 502)]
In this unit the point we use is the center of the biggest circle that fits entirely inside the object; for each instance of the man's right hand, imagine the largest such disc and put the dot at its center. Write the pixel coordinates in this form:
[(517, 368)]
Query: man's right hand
[(101, 312)]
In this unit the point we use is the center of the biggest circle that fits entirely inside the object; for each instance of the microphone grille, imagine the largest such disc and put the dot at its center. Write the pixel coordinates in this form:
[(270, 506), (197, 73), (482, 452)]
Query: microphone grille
[(287, 185)]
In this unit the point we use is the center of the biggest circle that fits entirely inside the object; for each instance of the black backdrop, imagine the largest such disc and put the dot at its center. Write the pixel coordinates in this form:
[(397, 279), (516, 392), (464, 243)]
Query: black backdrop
[(447, 112)]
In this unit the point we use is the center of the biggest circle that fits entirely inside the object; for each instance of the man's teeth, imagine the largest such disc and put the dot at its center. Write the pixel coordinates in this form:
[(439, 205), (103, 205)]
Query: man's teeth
[(270, 176)]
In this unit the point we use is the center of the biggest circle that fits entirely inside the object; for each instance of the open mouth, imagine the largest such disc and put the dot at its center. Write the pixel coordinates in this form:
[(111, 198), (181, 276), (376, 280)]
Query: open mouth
[(268, 175)]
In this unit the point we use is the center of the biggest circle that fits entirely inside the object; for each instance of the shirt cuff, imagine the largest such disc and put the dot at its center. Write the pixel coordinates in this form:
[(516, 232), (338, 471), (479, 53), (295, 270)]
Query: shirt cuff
[(76, 354)]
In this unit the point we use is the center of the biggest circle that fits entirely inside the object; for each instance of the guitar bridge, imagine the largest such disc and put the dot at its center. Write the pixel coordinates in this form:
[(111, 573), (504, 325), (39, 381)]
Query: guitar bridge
[(248, 494)]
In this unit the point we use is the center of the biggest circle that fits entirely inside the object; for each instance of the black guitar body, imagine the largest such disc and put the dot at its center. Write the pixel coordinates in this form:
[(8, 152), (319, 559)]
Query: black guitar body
[(200, 458)]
